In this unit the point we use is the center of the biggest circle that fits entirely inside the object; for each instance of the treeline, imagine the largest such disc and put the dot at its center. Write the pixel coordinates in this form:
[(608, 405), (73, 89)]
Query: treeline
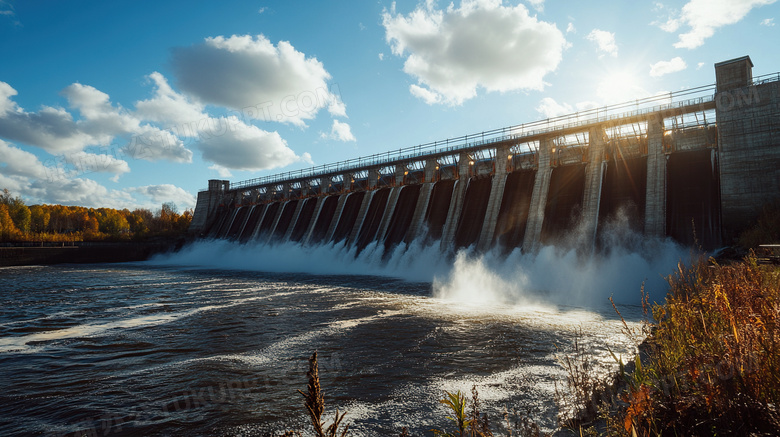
[(60, 223)]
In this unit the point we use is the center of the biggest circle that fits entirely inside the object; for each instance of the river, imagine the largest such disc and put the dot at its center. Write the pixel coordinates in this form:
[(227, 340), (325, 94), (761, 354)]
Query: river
[(214, 340)]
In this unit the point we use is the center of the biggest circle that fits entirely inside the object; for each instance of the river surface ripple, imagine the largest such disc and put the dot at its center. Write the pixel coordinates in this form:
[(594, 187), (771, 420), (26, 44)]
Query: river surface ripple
[(138, 349)]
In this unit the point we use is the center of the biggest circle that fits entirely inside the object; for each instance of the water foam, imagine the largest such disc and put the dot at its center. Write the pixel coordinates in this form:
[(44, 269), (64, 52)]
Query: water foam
[(550, 276)]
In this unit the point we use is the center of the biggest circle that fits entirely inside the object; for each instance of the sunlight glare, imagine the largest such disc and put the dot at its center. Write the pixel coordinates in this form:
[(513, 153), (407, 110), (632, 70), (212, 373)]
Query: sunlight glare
[(620, 86)]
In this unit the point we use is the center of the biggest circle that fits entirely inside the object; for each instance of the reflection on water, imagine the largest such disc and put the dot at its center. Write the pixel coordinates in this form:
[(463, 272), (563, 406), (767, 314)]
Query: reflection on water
[(150, 349)]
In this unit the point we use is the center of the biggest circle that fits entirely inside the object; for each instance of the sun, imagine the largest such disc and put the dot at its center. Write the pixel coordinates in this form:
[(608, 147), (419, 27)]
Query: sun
[(620, 86)]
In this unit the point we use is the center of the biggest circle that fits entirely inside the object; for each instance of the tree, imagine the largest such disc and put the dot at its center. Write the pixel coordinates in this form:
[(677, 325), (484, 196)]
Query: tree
[(19, 212), (39, 218), (7, 229), (112, 222), (21, 216)]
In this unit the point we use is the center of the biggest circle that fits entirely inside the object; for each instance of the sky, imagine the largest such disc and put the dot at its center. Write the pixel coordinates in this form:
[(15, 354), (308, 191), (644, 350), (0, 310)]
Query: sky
[(129, 104)]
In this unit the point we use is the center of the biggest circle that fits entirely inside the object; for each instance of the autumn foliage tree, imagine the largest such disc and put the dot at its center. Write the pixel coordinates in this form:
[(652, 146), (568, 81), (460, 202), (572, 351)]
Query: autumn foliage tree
[(55, 223)]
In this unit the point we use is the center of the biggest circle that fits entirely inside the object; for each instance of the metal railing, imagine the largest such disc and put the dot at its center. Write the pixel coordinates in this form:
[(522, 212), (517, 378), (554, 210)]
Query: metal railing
[(518, 132)]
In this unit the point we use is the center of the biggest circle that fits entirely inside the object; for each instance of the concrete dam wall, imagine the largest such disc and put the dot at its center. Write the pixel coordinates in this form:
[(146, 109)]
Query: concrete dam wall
[(693, 169)]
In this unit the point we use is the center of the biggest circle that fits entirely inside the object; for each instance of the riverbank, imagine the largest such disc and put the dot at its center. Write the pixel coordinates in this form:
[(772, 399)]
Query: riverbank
[(709, 362), (84, 252)]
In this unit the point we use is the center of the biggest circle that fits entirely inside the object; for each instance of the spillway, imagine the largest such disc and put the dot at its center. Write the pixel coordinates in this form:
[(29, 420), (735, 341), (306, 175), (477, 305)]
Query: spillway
[(473, 213), (436, 213), (325, 217), (268, 220), (692, 212), (230, 216), (564, 202), (402, 215), (238, 222), (623, 193), (251, 224), (373, 218), (349, 216), (304, 219), (285, 218), (515, 205)]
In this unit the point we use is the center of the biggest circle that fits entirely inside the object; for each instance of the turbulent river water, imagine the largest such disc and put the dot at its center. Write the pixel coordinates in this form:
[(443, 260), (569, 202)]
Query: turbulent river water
[(214, 340)]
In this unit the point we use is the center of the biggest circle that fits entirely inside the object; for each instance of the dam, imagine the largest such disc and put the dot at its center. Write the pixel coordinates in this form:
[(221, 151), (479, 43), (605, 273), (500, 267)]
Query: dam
[(695, 165)]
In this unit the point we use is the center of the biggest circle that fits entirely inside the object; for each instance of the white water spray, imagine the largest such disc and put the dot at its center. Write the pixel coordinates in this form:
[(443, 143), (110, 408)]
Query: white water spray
[(551, 276)]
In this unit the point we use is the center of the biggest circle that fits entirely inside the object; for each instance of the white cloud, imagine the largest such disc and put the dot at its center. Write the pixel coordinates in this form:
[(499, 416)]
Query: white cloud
[(381, 56), (769, 22), (261, 10), (221, 171), (18, 162), (537, 4), (549, 108), (52, 129), (153, 144), (218, 137), (661, 68), (482, 43), (23, 174), (570, 28), (6, 92), (84, 192), (341, 131), (164, 193), (77, 191), (704, 17), (250, 74), (168, 107), (604, 40), (424, 94), (247, 147), (100, 123), (84, 162), (699, 65)]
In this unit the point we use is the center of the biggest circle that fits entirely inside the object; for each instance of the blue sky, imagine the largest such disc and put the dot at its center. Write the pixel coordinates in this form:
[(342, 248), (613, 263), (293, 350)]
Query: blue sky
[(131, 104)]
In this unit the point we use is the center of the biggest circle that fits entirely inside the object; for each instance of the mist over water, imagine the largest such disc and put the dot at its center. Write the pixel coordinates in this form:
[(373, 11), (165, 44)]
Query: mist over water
[(624, 262)]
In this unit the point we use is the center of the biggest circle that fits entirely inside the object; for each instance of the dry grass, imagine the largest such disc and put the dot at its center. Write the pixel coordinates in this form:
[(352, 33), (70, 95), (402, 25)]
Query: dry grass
[(714, 356), (711, 362), (315, 406)]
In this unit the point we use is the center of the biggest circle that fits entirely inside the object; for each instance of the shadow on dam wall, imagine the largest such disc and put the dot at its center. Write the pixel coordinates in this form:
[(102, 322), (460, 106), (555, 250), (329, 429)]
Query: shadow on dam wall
[(285, 218), (349, 215), (268, 219), (402, 215), (238, 220), (304, 219), (251, 224), (515, 206), (326, 216), (564, 202), (473, 213), (693, 204), (438, 205), (623, 193), (376, 211)]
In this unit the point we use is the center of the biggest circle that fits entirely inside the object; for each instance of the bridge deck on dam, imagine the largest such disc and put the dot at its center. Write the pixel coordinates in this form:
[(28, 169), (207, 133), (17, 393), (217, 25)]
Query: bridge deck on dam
[(654, 166)]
